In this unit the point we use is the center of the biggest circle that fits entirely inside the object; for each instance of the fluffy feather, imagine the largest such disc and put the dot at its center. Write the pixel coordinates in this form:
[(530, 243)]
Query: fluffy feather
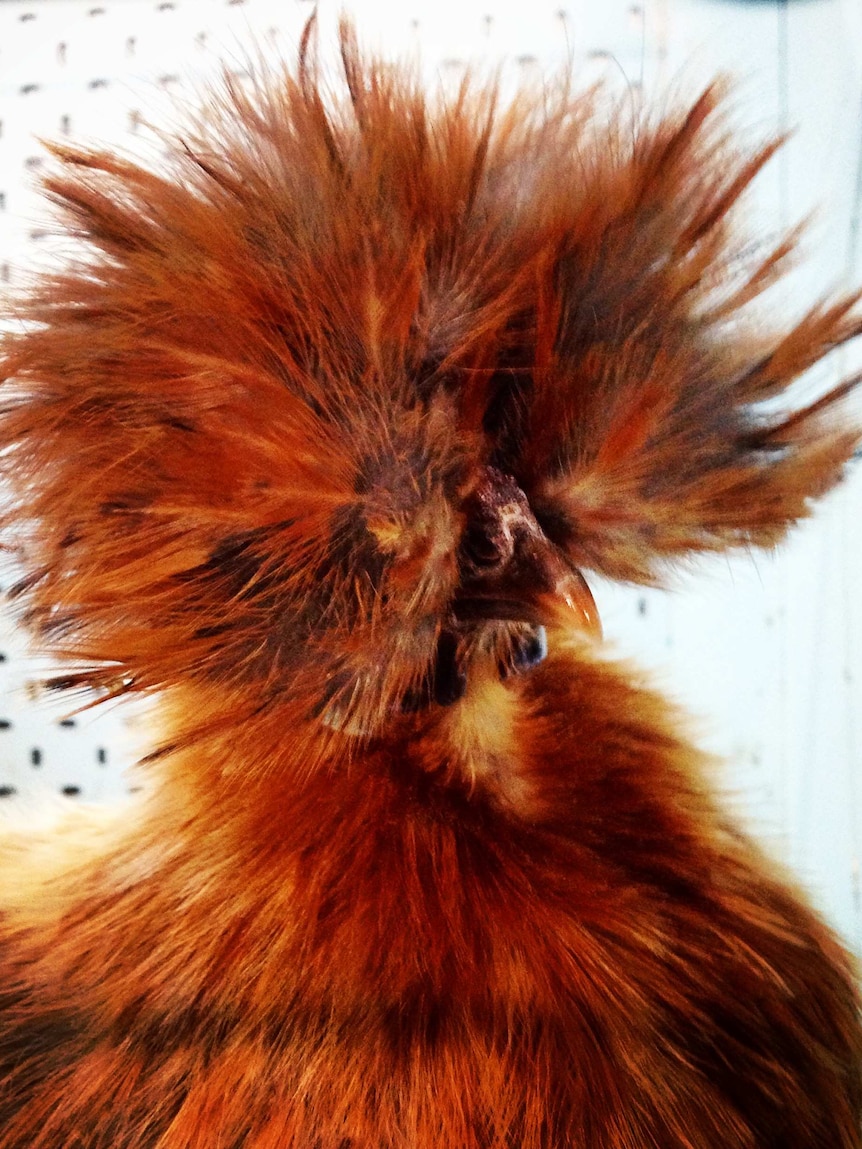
[(309, 442)]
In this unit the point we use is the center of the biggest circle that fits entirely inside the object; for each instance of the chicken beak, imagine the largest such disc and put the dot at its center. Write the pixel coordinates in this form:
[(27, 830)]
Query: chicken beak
[(537, 587), (571, 603), (512, 572)]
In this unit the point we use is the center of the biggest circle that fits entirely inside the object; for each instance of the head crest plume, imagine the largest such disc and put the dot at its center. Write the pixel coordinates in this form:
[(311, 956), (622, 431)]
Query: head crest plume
[(243, 428)]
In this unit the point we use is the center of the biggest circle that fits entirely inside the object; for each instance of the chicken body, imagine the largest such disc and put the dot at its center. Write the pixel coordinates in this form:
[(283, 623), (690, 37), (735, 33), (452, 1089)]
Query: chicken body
[(575, 950), (313, 444)]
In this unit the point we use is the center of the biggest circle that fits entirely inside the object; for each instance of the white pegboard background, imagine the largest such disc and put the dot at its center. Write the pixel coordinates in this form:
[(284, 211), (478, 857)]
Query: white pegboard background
[(766, 651)]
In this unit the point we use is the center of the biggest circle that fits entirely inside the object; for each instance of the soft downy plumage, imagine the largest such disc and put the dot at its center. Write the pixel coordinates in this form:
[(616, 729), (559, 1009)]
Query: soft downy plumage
[(311, 444)]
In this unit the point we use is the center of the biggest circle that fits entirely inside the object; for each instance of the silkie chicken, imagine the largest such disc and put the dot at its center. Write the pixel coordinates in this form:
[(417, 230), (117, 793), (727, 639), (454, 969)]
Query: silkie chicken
[(311, 443)]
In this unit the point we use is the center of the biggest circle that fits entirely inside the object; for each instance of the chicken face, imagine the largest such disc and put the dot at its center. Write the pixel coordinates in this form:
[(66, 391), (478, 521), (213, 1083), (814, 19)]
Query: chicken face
[(352, 394)]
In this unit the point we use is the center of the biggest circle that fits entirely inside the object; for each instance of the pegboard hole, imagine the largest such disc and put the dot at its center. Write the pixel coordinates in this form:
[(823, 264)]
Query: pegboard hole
[(35, 757), (71, 791), (68, 723), (5, 724), (7, 791), (102, 756)]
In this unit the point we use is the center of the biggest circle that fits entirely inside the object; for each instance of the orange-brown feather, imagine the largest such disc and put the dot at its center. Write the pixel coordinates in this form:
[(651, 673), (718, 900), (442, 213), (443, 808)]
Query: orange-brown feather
[(241, 435)]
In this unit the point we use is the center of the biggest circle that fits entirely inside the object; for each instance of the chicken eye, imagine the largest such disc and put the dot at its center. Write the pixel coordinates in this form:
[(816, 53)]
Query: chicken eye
[(483, 547)]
